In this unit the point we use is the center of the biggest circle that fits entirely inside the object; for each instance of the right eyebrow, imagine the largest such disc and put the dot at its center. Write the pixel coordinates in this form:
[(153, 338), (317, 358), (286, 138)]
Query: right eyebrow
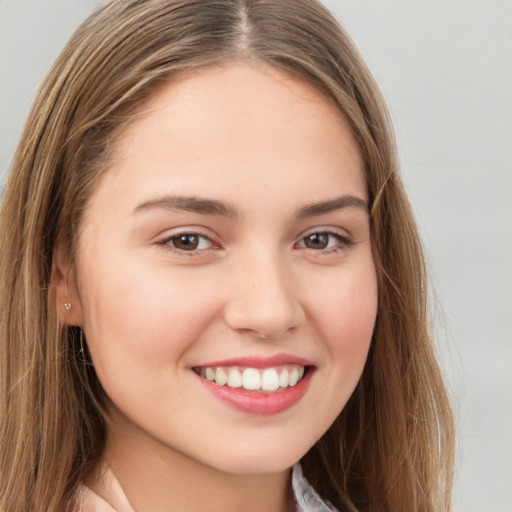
[(193, 204), (331, 205)]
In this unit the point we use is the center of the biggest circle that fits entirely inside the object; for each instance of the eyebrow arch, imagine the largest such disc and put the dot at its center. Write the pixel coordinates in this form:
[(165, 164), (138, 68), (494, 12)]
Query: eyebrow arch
[(189, 204), (332, 205)]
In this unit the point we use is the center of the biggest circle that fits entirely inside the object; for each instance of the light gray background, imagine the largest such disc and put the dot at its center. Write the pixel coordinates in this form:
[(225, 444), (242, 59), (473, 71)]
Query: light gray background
[(445, 68)]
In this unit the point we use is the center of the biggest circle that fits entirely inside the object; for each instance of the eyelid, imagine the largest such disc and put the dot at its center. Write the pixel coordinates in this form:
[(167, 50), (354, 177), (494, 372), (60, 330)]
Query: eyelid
[(331, 230)]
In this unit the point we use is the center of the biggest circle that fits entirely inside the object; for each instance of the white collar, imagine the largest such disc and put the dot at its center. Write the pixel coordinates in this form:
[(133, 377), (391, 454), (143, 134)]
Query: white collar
[(306, 499)]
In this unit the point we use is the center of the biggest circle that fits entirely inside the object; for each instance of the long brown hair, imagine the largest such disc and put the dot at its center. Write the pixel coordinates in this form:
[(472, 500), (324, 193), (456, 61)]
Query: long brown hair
[(391, 448)]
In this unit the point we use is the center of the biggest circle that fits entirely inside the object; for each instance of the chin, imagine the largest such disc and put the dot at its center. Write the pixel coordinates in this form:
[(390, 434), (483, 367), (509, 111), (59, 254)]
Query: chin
[(262, 461)]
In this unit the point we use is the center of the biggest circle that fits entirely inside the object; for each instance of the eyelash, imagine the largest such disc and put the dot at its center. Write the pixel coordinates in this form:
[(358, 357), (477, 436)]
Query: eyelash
[(343, 242)]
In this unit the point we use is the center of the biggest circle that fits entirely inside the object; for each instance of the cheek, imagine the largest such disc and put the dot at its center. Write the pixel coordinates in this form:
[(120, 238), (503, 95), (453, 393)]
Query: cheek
[(141, 319), (346, 315)]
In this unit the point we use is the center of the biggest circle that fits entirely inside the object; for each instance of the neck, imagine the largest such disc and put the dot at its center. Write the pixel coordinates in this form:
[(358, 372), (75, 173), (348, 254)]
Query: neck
[(155, 477)]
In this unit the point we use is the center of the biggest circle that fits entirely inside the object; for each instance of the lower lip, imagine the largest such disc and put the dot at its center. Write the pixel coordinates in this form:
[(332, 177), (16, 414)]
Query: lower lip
[(259, 403)]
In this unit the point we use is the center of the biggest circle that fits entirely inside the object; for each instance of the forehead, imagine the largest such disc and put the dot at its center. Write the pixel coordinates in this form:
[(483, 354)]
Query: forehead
[(237, 127)]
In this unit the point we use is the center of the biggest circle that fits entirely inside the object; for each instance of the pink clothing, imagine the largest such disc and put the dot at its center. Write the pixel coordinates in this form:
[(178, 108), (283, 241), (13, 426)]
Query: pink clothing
[(91, 502)]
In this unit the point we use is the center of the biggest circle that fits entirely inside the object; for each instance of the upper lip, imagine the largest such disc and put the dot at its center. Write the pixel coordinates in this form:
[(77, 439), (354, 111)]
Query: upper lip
[(260, 361)]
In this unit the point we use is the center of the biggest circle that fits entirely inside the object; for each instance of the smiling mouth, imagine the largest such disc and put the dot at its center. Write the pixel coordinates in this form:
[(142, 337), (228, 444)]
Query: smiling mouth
[(261, 380)]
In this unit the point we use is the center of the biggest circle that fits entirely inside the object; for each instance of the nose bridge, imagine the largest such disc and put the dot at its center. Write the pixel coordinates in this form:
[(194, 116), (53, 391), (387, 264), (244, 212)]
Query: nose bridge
[(263, 299)]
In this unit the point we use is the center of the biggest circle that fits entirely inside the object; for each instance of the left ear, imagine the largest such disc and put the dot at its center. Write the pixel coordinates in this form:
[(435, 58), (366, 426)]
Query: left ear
[(68, 304)]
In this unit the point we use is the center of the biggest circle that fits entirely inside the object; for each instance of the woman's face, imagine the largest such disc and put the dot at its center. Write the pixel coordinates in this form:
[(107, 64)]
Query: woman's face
[(228, 241)]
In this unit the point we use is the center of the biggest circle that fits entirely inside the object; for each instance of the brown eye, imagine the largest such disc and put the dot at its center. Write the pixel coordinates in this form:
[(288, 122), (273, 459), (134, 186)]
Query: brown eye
[(317, 241), (189, 242)]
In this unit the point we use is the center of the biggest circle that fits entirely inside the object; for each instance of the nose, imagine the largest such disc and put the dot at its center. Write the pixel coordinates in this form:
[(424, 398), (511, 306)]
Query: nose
[(263, 299)]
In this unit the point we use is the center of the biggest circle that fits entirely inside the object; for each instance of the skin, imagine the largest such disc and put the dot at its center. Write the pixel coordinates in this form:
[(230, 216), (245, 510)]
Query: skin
[(267, 145)]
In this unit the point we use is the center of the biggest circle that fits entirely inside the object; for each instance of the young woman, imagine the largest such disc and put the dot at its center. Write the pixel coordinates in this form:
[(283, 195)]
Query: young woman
[(213, 291)]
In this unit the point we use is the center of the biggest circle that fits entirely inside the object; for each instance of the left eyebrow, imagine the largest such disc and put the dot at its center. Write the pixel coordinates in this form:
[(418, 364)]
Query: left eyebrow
[(338, 203), (193, 204)]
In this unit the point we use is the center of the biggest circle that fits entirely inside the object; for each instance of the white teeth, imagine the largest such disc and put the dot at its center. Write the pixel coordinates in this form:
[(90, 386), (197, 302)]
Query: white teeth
[(284, 378), (294, 377), (270, 380), (235, 378), (221, 377), (251, 379)]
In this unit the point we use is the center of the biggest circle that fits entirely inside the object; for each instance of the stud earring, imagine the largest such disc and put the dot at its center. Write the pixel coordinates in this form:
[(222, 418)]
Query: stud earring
[(67, 305)]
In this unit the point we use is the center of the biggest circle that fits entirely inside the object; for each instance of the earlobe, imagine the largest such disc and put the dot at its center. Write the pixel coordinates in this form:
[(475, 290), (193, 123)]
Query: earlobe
[(68, 304)]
